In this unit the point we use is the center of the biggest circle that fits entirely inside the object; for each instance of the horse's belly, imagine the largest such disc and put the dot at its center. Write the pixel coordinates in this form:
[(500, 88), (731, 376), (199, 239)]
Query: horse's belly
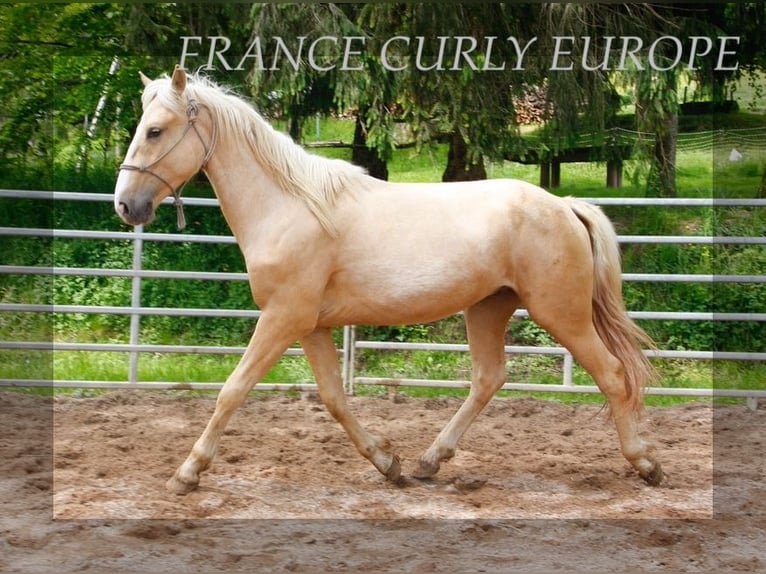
[(418, 296), (364, 311)]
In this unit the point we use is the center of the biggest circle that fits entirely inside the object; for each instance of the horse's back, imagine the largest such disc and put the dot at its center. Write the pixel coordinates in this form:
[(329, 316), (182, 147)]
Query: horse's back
[(446, 222)]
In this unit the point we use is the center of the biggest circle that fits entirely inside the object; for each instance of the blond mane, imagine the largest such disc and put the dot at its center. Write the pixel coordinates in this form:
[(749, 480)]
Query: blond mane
[(318, 181)]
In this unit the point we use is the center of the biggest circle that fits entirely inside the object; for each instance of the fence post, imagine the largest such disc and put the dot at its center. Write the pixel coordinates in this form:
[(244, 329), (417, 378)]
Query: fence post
[(349, 355), (545, 174), (135, 302), (555, 174), (568, 366)]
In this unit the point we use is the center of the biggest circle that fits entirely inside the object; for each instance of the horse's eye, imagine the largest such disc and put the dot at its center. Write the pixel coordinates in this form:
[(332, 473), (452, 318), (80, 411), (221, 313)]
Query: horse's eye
[(154, 133)]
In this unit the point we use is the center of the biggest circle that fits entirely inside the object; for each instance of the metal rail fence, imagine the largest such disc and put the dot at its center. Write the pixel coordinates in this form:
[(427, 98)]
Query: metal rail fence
[(350, 343)]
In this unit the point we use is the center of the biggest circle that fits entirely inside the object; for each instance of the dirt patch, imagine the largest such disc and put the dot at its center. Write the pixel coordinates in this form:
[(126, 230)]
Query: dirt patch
[(534, 484)]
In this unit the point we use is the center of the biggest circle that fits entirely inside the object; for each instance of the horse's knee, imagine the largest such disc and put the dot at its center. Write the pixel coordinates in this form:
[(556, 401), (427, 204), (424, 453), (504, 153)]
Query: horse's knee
[(486, 383), (231, 397)]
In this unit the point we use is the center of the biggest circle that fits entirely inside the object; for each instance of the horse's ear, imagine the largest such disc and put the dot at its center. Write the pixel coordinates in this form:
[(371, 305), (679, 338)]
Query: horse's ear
[(179, 79), (144, 79)]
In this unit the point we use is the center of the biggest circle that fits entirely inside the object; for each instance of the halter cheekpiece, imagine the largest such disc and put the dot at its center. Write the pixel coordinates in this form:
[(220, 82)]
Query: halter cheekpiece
[(192, 112)]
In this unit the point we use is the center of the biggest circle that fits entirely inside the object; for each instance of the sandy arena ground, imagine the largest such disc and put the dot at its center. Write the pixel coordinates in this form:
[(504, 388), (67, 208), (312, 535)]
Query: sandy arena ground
[(535, 485)]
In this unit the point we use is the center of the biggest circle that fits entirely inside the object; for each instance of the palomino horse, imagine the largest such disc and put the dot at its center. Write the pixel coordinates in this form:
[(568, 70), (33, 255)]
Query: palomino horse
[(327, 245)]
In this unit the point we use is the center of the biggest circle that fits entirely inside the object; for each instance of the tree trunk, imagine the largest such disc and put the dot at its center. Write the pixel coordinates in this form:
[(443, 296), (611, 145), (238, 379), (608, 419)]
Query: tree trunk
[(295, 128), (364, 156), (458, 168), (665, 147)]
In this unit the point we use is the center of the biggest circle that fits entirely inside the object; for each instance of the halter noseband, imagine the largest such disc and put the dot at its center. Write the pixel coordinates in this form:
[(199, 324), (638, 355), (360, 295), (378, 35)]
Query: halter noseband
[(192, 111)]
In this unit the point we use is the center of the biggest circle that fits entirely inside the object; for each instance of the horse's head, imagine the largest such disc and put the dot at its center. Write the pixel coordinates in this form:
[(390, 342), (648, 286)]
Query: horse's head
[(163, 155)]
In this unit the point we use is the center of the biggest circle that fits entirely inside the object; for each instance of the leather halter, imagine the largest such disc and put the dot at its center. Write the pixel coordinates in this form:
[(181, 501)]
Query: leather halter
[(192, 111)]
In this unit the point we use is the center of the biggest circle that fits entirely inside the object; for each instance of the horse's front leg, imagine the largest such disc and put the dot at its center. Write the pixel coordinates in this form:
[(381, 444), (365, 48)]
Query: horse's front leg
[(485, 326), (272, 336), (321, 353)]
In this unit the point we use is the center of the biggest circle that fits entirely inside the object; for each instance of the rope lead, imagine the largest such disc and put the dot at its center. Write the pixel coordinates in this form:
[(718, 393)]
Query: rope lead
[(179, 205)]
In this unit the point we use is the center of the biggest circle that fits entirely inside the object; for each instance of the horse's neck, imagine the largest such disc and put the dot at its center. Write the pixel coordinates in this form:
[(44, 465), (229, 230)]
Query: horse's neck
[(250, 198)]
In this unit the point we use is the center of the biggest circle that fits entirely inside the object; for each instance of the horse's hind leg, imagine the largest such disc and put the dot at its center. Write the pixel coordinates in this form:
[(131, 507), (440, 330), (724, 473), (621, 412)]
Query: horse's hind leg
[(321, 353), (569, 321), (486, 323)]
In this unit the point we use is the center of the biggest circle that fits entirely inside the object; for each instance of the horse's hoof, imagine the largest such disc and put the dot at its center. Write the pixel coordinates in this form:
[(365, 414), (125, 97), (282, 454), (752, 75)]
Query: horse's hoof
[(425, 469), (177, 486), (654, 477), (395, 470)]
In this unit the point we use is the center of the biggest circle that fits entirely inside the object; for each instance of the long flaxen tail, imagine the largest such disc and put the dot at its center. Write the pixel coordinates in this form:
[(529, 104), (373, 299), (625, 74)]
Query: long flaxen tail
[(620, 334)]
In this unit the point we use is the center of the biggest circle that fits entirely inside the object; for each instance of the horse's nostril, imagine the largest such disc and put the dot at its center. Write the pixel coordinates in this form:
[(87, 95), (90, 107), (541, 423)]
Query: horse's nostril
[(123, 209)]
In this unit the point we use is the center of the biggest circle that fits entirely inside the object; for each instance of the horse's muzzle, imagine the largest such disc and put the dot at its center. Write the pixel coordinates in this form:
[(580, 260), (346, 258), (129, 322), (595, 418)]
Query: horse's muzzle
[(135, 212)]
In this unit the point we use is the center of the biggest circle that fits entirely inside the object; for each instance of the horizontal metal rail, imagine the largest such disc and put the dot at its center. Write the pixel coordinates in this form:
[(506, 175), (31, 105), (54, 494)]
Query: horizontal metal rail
[(375, 345), (544, 388), (143, 311), (605, 201), (530, 350), (129, 348), (230, 239), (146, 385), (389, 382), (255, 313), (84, 196), (118, 235), (227, 276), (102, 272)]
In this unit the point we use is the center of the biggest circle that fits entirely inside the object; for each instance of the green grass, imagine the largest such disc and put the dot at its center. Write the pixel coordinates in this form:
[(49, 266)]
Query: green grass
[(529, 369), (173, 368), (155, 367)]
